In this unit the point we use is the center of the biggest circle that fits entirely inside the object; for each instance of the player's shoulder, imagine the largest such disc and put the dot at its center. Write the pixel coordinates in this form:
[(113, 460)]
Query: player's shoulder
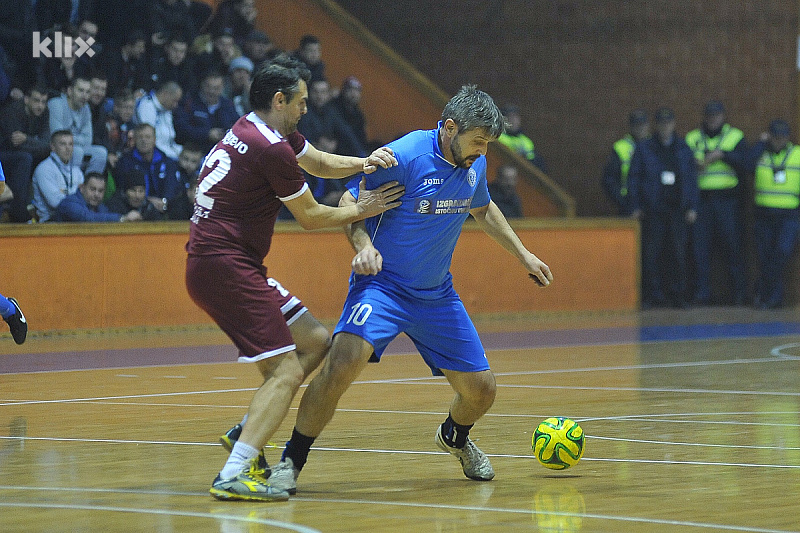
[(413, 145), (247, 137)]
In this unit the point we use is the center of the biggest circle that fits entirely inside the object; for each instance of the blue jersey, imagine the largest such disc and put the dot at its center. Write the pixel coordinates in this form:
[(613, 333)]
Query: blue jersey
[(417, 238), (2, 175)]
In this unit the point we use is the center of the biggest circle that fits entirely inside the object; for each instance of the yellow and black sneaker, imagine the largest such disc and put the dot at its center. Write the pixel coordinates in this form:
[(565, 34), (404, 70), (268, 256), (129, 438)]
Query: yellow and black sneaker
[(228, 441), (248, 486)]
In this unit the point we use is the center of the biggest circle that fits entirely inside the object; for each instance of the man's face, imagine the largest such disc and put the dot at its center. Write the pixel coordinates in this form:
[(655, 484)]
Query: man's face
[(514, 122), (225, 47), (63, 146), (170, 99), (88, 30), (145, 140), (715, 121), (352, 95), (124, 109), (176, 52), (93, 190), (294, 109), (640, 132), (311, 54), (35, 103), (778, 142), (97, 91), (78, 94), (256, 50), (212, 89), (240, 78), (468, 146), (319, 93), (665, 128), (190, 160), (136, 196)]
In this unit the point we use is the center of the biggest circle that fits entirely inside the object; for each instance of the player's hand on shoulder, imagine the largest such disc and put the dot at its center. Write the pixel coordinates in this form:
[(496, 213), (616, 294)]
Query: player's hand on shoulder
[(382, 198), (367, 262), (383, 157)]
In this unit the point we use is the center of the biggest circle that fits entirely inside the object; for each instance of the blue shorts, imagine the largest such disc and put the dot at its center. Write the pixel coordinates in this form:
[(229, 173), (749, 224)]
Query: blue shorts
[(441, 329)]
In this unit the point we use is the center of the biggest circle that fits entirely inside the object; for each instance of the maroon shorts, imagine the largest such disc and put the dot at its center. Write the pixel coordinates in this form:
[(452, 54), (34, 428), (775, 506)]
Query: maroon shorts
[(253, 310)]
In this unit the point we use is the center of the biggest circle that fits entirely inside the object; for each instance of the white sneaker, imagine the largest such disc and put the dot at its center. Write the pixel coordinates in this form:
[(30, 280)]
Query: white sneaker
[(284, 476), (474, 462)]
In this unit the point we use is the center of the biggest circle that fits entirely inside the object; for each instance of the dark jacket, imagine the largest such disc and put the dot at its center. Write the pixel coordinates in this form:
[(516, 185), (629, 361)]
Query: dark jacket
[(13, 118), (73, 208), (162, 177), (645, 188), (193, 121), (118, 205)]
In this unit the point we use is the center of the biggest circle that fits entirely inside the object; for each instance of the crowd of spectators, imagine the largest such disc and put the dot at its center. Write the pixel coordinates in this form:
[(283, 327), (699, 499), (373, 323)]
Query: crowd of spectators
[(161, 83)]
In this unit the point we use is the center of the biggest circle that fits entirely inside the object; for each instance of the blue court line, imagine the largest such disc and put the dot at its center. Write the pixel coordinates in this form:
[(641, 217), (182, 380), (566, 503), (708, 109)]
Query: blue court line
[(507, 340)]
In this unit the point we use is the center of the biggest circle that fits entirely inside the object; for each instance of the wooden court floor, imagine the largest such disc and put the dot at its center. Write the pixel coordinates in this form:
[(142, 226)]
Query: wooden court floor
[(692, 421)]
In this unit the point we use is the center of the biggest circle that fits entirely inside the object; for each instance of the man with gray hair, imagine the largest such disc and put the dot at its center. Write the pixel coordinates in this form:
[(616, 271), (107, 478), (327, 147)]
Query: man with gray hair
[(401, 282), (155, 108)]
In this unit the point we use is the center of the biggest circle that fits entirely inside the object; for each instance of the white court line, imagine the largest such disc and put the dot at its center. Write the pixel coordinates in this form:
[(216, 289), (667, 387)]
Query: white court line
[(657, 415), (698, 444), (6, 403), (655, 389), (164, 512), (778, 351), (684, 364), (372, 503), (407, 452)]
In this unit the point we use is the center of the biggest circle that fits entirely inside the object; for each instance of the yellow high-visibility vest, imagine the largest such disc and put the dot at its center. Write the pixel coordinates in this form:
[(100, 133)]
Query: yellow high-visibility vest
[(624, 149), (777, 182), (718, 175)]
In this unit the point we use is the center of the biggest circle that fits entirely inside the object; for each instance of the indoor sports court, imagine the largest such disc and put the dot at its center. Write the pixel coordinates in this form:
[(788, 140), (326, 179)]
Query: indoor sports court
[(692, 424)]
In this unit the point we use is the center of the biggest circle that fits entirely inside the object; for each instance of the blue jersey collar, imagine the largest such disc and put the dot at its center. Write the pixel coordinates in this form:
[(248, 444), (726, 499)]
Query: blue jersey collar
[(436, 149)]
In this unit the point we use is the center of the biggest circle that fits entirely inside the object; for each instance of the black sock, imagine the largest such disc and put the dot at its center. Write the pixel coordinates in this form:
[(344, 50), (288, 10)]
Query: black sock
[(455, 434), (297, 449)]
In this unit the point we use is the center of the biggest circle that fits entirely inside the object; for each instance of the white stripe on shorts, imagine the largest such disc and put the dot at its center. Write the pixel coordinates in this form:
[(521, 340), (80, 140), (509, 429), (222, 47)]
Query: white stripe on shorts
[(267, 355)]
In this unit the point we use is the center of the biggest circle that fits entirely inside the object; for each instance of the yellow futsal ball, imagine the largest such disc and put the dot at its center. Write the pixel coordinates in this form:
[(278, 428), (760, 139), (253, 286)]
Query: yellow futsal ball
[(558, 443)]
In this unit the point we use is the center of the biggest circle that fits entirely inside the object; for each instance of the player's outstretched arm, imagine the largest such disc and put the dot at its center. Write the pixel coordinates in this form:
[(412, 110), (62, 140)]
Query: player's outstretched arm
[(312, 215), (492, 221), (332, 166)]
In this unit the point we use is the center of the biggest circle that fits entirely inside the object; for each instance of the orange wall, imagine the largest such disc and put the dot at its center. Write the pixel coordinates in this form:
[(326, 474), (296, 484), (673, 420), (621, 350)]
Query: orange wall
[(102, 279)]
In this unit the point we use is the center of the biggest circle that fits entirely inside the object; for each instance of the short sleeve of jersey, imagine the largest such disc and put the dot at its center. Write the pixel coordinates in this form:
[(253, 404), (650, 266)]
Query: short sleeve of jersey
[(481, 196), (298, 143), (379, 177), (286, 177)]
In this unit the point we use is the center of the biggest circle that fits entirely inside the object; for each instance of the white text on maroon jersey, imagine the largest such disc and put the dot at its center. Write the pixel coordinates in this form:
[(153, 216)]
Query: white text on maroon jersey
[(233, 141)]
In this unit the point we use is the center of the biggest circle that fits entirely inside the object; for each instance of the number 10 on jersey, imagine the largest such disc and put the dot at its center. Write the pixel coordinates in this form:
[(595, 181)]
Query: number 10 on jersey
[(359, 314)]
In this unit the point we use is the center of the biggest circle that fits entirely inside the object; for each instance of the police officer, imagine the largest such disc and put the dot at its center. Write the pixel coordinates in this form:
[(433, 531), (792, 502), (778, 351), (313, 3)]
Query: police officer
[(720, 153), (663, 187), (615, 173), (777, 196)]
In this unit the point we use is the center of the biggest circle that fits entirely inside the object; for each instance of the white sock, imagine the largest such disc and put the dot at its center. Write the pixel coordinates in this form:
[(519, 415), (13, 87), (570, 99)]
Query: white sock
[(238, 461)]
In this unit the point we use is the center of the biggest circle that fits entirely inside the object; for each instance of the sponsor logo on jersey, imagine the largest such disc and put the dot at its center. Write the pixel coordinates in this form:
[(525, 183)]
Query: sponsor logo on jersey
[(451, 206)]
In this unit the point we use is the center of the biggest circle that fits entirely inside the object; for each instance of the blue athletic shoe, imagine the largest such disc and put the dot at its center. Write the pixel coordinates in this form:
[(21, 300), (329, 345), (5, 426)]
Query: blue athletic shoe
[(17, 323)]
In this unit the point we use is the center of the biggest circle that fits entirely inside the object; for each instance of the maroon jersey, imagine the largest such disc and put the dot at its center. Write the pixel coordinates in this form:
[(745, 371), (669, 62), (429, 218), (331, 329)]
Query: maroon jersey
[(244, 179)]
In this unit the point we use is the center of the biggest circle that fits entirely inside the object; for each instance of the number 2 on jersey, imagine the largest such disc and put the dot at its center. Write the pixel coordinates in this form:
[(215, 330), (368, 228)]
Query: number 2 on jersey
[(223, 160)]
